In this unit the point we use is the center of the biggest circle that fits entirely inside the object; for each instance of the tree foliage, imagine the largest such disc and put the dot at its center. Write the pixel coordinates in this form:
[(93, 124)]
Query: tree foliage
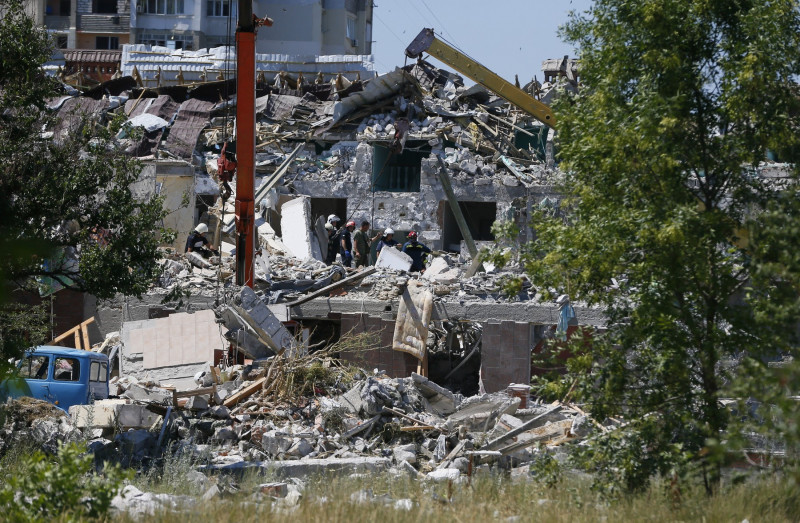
[(67, 211), (670, 223)]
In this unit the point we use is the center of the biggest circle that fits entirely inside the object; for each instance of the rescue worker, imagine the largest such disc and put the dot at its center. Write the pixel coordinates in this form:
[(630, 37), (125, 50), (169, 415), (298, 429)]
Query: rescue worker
[(346, 243), (387, 241), (417, 251), (361, 245), (197, 242), (333, 243), (334, 220)]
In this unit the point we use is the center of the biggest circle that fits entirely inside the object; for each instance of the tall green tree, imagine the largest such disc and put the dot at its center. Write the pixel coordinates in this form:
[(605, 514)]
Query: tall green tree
[(67, 211), (670, 222)]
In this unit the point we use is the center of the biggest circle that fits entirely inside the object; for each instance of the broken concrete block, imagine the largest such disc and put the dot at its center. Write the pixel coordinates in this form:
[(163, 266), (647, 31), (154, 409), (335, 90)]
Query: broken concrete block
[(225, 433), (300, 449), (252, 310), (407, 453), (450, 474), (135, 443), (148, 395), (197, 260), (220, 412), (394, 259), (197, 403), (275, 445), (442, 400)]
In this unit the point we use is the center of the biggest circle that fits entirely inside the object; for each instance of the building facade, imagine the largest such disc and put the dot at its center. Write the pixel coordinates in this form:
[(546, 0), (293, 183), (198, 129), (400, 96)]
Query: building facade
[(302, 27)]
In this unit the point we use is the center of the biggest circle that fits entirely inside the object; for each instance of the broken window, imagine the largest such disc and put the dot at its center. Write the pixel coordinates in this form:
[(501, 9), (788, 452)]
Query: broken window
[(479, 217), (105, 7), (35, 367), (106, 42), (67, 369), (396, 172), (351, 31), (218, 8)]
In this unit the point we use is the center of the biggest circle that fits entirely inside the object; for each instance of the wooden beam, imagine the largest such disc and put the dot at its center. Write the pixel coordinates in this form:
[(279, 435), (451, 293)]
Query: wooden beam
[(245, 392), (444, 177), (355, 277)]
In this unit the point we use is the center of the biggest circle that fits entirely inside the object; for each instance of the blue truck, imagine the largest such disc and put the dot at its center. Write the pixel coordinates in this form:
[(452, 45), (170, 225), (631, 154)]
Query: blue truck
[(60, 375)]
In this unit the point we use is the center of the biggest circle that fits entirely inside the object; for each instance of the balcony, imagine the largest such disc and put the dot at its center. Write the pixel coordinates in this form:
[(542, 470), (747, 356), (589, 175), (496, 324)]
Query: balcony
[(56, 23), (92, 23)]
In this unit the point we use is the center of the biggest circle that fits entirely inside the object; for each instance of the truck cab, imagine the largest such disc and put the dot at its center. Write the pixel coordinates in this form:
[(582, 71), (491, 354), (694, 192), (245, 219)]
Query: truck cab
[(61, 375)]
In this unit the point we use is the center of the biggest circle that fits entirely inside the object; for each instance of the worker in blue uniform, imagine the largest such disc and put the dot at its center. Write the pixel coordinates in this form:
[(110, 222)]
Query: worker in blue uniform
[(417, 251)]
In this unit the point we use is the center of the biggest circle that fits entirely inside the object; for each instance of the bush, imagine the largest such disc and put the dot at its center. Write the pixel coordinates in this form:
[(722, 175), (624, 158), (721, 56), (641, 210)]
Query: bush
[(43, 490)]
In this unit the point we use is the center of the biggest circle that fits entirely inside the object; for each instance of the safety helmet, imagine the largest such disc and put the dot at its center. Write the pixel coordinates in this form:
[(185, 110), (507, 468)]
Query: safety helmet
[(388, 231), (201, 228), (413, 235), (351, 223), (333, 218), (329, 226)]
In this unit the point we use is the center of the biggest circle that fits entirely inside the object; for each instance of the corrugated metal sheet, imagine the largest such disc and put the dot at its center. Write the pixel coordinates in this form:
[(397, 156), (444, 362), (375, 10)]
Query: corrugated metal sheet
[(73, 112), (192, 117)]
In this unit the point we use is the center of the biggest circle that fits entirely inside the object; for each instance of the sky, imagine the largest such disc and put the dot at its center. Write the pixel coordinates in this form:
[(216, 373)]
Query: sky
[(507, 36)]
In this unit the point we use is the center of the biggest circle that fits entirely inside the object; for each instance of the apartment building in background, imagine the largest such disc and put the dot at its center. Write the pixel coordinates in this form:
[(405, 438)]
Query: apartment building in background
[(302, 27)]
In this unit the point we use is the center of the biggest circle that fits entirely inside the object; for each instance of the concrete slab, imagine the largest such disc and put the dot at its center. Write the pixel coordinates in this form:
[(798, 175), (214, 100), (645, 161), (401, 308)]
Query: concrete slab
[(394, 259), (297, 229), (113, 413)]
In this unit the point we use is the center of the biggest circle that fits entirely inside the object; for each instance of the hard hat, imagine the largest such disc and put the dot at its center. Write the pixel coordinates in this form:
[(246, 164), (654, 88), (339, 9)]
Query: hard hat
[(201, 228), (412, 234), (351, 223), (388, 231), (333, 218), (329, 226)]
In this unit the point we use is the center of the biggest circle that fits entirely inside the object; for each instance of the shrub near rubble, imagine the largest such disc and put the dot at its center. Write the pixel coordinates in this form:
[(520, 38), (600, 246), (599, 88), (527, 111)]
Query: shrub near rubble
[(43, 489)]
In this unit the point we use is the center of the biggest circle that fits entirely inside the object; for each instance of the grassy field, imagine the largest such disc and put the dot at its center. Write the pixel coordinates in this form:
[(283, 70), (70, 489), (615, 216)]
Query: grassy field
[(493, 498), (489, 496)]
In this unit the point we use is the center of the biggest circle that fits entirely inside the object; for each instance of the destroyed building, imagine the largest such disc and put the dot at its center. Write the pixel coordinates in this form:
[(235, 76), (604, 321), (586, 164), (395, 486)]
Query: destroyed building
[(399, 150)]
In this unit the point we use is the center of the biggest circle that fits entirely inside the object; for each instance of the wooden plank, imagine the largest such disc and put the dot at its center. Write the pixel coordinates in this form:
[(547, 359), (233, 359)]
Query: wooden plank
[(417, 427), (245, 392), (77, 338), (196, 392), (85, 333), (72, 332), (361, 427), (332, 286)]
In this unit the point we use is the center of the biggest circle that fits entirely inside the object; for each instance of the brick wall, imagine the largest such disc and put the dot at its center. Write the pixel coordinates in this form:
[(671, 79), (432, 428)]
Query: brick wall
[(396, 364), (505, 354)]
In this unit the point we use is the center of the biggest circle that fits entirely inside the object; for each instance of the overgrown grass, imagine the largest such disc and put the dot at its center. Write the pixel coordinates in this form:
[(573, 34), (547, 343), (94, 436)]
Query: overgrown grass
[(494, 498)]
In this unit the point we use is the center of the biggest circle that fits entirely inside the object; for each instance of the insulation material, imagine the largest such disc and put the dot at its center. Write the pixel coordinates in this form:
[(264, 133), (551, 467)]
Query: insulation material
[(297, 229), (413, 317)]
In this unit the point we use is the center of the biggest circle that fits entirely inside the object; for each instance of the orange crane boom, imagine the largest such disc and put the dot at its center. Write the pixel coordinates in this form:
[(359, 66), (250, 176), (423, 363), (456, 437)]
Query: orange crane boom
[(246, 140)]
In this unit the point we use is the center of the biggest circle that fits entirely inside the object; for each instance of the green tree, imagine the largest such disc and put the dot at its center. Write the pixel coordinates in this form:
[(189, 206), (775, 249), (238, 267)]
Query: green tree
[(668, 222), (67, 211)]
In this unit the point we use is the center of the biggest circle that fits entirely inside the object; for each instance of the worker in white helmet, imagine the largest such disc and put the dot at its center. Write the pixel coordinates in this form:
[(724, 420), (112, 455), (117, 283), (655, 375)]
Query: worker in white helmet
[(333, 243), (387, 241), (197, 242)]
